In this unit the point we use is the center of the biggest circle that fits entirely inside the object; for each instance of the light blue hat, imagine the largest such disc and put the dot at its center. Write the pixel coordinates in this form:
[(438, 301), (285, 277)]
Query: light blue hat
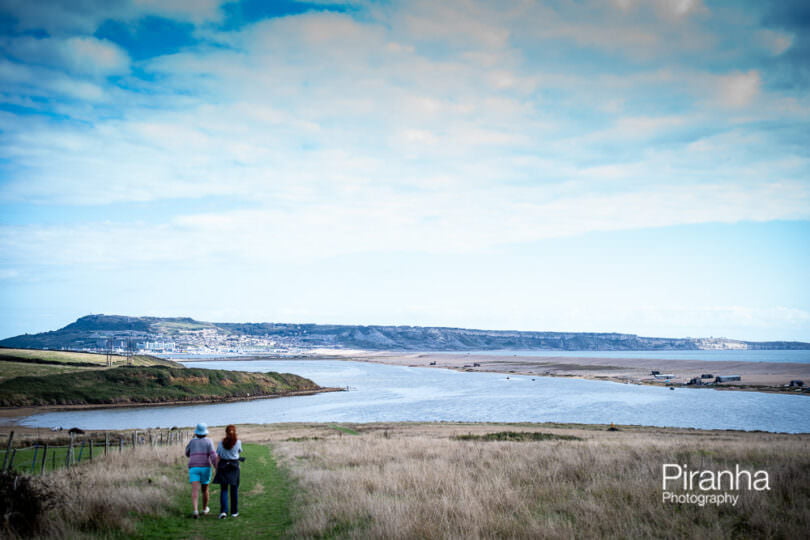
[(202, 429)]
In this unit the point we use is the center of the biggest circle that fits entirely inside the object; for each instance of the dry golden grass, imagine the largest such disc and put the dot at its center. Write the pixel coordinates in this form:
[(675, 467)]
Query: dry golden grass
[(416, 481), (411, 481), (103, 496)]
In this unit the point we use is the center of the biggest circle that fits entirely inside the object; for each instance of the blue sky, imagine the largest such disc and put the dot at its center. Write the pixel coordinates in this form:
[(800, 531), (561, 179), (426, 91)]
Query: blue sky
[(594, 165)]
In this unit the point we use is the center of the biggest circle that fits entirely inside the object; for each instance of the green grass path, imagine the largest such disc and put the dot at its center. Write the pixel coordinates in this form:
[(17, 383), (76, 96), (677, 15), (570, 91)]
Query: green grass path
[(264, 505)]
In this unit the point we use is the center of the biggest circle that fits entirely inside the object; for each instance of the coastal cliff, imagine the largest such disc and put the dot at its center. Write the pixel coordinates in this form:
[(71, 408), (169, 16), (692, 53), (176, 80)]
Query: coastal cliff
[(95, 332)]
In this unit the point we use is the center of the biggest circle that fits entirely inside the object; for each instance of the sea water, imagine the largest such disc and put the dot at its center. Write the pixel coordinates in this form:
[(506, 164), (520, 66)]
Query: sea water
[(384, 393)]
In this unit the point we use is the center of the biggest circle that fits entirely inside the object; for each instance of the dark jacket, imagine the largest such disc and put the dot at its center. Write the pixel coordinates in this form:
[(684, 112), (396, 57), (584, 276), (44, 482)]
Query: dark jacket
[(227, 472)]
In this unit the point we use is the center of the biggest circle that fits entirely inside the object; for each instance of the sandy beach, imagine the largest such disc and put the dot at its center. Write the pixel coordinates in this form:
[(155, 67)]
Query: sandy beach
[(760, 376)]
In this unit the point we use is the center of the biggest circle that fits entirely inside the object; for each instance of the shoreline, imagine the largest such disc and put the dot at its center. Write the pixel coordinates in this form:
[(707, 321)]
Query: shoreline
[(766, 377), (10, 413), (462, 427)]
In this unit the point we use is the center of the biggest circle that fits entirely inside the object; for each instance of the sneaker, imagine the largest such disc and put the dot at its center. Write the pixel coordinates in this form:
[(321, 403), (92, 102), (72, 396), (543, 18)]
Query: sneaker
[(195, 514), (234, 515), (223, 515), (206, 510)]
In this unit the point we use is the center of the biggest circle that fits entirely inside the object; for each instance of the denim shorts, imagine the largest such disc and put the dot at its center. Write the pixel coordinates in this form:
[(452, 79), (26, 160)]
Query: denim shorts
[(199, 474)]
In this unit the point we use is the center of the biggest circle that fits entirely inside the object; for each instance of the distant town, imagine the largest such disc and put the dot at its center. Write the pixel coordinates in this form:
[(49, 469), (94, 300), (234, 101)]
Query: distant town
[(191, 342)]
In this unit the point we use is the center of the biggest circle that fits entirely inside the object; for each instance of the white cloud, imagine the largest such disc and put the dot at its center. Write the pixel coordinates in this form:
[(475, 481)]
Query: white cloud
[(445, 130), (319, 111), (666, 8), (420, 136), (91, 55), (463, 24), (738, 89), (775, 42), (61, 17), (83, 55), (39, 82), (371, 218), (196, 11), (8, 274)]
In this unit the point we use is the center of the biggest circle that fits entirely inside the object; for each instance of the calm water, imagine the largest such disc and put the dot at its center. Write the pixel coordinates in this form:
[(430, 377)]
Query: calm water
[(799, 357), (396, 393)]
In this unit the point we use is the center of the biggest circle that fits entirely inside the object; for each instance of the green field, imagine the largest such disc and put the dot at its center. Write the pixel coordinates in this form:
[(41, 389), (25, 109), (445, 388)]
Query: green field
[(37, 363), (80, 357), (155, 384), (9, 370), (29, 460)]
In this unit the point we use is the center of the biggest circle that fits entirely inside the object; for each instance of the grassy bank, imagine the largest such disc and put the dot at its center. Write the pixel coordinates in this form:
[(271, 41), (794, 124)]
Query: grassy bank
[(124, 385)]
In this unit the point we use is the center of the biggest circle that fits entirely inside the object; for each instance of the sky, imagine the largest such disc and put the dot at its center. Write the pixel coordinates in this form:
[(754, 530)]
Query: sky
[(571, 165)]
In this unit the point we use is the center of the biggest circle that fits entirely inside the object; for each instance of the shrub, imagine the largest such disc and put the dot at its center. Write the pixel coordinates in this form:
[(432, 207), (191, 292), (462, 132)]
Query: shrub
[(22, 504), (516, 436)]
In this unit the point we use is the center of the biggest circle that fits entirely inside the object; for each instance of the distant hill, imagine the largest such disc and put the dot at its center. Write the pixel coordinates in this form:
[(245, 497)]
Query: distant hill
[(94, 332)]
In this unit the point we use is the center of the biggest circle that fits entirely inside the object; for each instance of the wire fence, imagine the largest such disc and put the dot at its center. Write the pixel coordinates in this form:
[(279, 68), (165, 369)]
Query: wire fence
[(38, 459)]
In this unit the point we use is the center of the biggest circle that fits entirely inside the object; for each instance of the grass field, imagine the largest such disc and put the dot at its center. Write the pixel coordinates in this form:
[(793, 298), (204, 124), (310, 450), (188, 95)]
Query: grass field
[(420, 481), (39, 363), (30, 459), (406, 480), (82, 357), (9, 370)]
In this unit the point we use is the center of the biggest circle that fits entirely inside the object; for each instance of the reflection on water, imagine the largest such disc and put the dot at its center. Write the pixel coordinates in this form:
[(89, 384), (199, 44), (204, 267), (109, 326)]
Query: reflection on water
[(395, 393)]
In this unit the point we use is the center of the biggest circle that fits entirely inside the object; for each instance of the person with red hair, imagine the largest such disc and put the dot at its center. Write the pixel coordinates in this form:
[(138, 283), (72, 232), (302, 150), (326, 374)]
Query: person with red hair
[(228, 471)]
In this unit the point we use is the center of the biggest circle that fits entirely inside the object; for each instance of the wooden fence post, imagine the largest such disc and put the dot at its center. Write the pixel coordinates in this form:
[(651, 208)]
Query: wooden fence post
[(91, 449), (106, 443), (8, 450), (134, 439), (34, 460), (44, 459), (13, 455), (120, 444), (81, 451), (69, 455)]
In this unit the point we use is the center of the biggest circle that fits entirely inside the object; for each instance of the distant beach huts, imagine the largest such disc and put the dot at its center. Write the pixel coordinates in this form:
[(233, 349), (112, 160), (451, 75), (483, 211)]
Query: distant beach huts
[(727, 378)]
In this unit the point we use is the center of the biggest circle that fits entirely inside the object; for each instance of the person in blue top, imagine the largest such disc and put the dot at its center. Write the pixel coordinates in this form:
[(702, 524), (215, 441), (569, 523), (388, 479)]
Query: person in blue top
[(201, 456), (228, 471)]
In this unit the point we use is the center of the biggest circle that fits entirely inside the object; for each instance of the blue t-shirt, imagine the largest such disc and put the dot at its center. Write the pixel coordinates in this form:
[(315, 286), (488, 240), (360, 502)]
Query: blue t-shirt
[(233, 453)]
